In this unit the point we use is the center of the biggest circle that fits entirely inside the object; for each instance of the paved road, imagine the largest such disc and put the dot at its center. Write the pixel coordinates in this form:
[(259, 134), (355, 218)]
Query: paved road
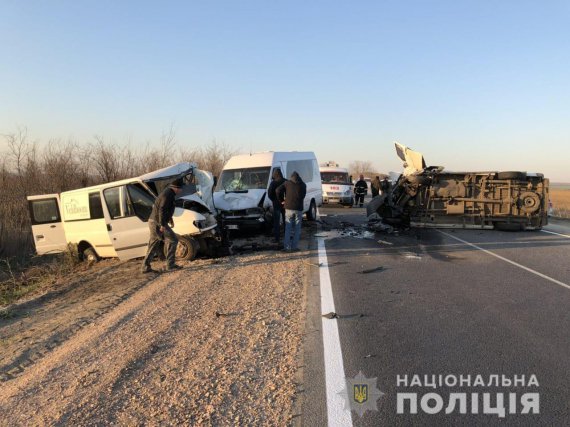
[(459, 302)]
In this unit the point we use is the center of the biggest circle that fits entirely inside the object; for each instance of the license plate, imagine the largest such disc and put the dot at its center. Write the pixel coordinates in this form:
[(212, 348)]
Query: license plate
[(232, 227)]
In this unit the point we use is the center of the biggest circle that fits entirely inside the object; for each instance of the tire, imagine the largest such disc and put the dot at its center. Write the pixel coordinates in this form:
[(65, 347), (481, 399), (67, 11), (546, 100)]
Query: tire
[(312, 212), (519, 176), (187, 248), (90, 255)]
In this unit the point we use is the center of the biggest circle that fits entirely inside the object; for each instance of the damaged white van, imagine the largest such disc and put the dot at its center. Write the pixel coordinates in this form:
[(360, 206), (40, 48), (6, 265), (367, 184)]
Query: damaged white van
[(241, 198), (110, 220)]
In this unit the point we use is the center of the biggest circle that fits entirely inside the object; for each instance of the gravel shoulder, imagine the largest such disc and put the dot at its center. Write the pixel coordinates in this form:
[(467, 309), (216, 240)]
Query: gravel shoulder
[(218, 342)]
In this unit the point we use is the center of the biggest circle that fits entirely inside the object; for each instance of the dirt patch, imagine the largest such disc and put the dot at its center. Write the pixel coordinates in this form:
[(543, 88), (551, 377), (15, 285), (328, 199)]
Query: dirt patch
[(214, 343)]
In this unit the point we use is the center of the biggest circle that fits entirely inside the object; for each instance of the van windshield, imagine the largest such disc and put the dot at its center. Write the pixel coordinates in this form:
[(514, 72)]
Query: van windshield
[(243, 179), (335, 178)]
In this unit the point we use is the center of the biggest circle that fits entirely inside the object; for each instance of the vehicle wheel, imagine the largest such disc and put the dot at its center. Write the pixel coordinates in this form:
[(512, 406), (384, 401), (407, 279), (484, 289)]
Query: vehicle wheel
[(312, 212), (508, 226), (519, 176), (187, 248), (90, 255)]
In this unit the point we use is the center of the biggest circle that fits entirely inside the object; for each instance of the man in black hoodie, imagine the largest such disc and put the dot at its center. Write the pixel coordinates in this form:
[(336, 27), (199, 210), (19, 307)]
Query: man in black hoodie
[(159, 224), (292, 193), (278, 212)]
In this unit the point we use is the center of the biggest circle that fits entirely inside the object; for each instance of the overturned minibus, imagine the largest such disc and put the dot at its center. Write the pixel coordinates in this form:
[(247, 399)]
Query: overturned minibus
[(429, 196)]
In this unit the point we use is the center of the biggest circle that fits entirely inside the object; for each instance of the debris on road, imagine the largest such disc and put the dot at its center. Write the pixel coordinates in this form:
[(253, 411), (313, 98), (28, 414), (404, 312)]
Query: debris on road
[(331, 315), (372, 270)]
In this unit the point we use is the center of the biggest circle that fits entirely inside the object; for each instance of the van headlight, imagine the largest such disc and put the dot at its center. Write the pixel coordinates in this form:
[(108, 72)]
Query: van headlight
[(348, 192), (254, 211), (200, 223)]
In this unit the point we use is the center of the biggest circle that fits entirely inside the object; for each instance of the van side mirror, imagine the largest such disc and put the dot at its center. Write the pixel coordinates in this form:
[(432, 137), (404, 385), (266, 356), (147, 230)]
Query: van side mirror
[(215, 181)]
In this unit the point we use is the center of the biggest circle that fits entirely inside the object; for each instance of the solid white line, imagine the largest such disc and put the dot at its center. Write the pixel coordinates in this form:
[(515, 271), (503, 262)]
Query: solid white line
[(558, 234), (334, 368), (530, 270)]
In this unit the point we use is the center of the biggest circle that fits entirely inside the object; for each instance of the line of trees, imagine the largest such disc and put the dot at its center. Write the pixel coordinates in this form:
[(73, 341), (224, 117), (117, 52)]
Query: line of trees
[(28, 167)]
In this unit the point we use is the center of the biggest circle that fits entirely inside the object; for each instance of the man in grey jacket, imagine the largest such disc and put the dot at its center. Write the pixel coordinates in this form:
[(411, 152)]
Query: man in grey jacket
[(292, 193), (159, 224)]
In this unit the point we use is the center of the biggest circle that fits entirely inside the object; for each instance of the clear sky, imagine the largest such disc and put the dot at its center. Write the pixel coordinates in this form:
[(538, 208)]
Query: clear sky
[(471, 84)]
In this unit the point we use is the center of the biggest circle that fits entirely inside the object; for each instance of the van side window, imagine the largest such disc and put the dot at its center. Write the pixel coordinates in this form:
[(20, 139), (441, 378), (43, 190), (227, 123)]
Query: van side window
[(305, 169), (95, 207), (44, 211), (113, 200), (140, 200), (118, 203)]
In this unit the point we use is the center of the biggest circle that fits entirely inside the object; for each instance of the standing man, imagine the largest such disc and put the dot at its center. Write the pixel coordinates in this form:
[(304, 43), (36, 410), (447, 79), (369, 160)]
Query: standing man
[(293, 193), (278, 211), (385, 185), (360, 190), (375, 186), (160, 223)]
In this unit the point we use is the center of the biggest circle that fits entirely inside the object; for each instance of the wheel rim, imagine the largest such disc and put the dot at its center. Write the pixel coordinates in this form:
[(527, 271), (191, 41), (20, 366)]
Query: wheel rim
[(182, 250)]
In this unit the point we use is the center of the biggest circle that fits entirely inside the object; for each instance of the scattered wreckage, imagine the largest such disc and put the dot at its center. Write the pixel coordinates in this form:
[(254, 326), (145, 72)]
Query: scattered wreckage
[(430, 197)]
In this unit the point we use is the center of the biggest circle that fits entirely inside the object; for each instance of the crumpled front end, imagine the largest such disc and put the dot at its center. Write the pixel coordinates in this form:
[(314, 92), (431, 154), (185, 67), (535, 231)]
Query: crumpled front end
[(244, 209)]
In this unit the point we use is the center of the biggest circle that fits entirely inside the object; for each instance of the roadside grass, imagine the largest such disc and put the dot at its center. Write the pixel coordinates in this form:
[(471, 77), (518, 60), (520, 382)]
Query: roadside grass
[(18, 279), (560, 199)]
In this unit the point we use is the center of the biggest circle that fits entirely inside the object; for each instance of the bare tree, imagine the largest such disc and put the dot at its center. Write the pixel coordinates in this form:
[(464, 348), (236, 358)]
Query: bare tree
[(363, 167)]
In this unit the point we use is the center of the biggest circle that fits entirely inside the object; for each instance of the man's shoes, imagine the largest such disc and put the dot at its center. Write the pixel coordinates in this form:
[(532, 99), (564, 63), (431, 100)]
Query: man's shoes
[(174, 267), (148, 269), (285, 250), (296, 250)]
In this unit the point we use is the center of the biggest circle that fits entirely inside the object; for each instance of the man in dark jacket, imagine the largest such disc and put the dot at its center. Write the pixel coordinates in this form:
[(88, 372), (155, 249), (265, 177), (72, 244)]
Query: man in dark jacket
[(360, 190), (375, 186), (278, 211), (159, 224), (292, 193)]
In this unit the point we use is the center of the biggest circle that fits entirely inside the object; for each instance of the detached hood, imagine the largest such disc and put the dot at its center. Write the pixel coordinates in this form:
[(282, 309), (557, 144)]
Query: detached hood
[(234, 201), (413, 160), (169, 171), (203, 179)]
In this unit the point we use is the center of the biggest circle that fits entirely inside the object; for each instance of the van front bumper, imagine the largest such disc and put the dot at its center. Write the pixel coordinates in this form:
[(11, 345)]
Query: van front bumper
[(248, 219), (343, 200)]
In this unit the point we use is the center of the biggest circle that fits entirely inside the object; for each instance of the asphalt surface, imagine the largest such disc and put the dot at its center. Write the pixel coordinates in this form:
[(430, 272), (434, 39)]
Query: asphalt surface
[(440, 306)]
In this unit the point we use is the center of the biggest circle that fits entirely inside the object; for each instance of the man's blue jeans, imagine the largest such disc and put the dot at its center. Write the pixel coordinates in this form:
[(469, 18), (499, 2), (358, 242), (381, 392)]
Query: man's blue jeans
[(278, 212), (292, 225)]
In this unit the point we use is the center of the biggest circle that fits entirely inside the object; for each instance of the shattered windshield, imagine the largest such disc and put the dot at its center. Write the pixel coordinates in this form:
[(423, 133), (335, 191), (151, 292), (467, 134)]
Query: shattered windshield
[(159, 184), (335, 178), (243, 179)]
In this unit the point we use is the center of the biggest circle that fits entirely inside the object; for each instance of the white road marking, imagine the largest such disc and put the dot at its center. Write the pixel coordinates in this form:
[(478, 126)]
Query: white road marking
[(558, 234), (530, 270), (334, 368)]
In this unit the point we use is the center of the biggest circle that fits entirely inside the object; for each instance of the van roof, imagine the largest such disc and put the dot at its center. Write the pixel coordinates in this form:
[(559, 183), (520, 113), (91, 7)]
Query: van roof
[(166, 172), (266, 158), (331, 169)]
